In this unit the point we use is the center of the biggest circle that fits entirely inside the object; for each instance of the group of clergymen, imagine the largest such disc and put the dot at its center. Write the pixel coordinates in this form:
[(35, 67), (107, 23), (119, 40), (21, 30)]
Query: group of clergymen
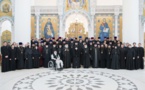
[(74, 52)]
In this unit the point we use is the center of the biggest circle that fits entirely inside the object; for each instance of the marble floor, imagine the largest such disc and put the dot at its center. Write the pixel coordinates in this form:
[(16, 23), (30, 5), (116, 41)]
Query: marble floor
[(73, 79)]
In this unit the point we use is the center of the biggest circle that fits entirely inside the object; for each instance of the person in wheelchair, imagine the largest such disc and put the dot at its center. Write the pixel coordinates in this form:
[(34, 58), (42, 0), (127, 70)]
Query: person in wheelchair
[(56, 59)]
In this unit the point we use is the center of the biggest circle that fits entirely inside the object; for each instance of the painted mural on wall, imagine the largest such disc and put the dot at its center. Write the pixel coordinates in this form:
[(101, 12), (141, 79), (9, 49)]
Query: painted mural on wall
[(104, 25), (5, 8), (49, 26), (6, 36), (33, 26), (76, 4)]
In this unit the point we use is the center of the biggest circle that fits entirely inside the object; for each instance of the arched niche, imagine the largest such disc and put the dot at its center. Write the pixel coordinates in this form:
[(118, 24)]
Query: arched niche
[(6, 30), (73, 16)]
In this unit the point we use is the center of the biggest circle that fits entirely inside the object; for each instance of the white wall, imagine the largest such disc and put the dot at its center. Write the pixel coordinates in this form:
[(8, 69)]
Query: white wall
[(130, 21), (45, 2), (108, 2), (76, 17), (22, 21)]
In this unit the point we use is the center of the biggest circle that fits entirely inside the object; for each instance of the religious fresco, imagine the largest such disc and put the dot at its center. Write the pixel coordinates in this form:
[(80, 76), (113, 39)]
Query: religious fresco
[(104, 26), (33, 26), (49, 26), (6, 36), (120, 28), (77, 5), (5, 8)]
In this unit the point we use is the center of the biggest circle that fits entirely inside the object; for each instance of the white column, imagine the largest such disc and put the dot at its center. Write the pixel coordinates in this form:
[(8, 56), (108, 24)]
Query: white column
[(141, 22), (116, 26), (22, 21), (0, 35), (61, 29), (37, 26), (60, 13), (92, 11), (12, 34), (91, 31), (130, 21), (141, 31)]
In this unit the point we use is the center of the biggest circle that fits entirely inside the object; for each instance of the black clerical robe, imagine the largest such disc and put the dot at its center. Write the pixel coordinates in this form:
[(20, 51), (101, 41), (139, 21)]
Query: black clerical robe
[(35, 58), (130, 59), (66, 58), (86, 58), (76, 58), (20, 57), (95, 57), (122, 58), (140, 56), (46, 56), (102, 58), (109, 60), (5, 60), (13, 58), (115, 59), (28, 58)]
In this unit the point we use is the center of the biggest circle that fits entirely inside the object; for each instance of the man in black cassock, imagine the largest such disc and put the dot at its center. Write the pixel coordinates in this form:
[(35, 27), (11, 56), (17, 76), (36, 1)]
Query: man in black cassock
[(136, 65), (76, 58), (140, 56), (71, 46), (115, 58), (95, 56), (109, 60), (91, 52), (81, 50), (36, 57), (102, 57), (28, 57), (60, 51), (13, 57), (5, 57), (20, 56), (86, 57), (66, 57), (46, 55), (105, 53), (130, 58), (122, 59), (54, 47)]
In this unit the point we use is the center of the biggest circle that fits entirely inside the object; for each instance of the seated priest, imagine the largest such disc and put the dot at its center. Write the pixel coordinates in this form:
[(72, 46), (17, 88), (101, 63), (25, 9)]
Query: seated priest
[(56, 59)]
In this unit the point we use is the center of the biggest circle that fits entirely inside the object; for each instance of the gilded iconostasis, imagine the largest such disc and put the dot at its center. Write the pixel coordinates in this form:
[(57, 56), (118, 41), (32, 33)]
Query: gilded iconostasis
[(104, 23), (49, 26)]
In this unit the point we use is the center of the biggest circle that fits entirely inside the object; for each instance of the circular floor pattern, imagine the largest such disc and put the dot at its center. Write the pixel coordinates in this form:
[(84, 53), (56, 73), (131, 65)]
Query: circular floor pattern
[(74, 80)]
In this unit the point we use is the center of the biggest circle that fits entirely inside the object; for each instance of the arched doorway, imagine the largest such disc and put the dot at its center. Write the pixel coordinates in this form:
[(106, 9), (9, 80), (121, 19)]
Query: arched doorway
[(76, 25)]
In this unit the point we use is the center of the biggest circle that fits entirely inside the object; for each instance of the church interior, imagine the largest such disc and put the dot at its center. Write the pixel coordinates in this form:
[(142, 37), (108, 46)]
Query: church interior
[(101, 23)]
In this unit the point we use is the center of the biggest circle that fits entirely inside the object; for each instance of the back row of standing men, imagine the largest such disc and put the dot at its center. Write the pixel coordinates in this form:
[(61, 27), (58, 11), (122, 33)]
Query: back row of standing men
[(75, 52)]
